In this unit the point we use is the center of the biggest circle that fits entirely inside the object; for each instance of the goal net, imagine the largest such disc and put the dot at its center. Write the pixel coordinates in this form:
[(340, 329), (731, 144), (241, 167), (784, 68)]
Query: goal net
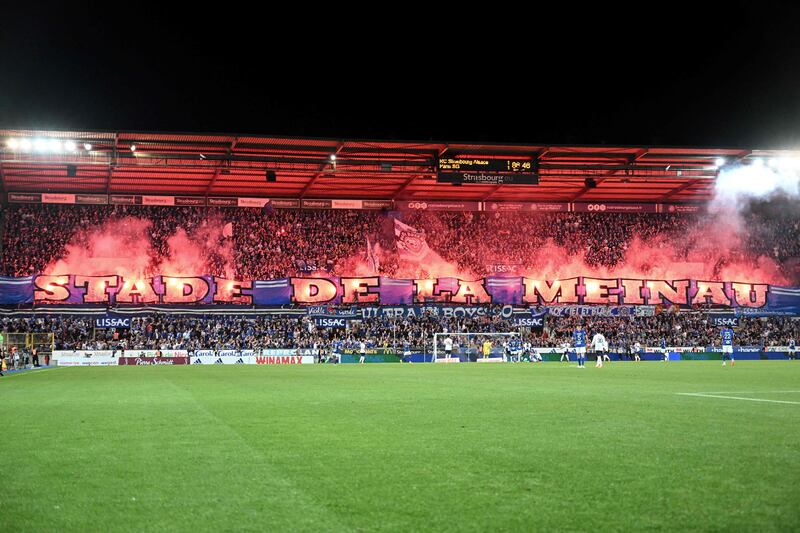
[(471, 347)]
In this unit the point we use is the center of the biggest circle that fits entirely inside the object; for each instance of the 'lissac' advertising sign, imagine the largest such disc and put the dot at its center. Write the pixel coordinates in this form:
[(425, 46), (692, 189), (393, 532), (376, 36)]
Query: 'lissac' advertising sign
[(113, 321)]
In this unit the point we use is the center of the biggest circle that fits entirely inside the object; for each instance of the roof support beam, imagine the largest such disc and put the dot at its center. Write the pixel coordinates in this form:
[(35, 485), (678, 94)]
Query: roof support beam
[(597, 182), (491, 193), (219, 166), (111, 165), (442, 150), (404, 186), (611, 173), (679, 189), (319, 173)]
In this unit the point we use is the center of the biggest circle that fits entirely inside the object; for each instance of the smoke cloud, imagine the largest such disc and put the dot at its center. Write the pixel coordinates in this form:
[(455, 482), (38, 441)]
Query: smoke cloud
[(752, 219), (125, 247)]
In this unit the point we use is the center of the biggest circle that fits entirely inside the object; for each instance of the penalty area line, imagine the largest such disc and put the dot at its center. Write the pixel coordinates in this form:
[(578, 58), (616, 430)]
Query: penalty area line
[(703, 395)]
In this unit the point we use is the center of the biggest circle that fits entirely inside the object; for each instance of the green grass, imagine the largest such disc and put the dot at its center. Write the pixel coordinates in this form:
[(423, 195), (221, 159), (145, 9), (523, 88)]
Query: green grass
[(391, 447)]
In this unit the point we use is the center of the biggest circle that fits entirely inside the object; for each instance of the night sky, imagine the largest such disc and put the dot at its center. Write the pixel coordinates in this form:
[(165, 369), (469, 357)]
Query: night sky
[(684, 76)]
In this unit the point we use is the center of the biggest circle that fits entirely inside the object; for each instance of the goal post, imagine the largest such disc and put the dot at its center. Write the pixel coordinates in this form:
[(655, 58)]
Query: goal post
[(469, 347)]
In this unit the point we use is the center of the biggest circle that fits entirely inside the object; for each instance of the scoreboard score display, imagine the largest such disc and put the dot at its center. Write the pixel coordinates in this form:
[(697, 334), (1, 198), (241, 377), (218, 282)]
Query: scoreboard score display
[(489, 171)]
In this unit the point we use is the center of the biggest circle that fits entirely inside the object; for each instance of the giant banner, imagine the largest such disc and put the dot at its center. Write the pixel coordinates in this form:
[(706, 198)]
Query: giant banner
[(437, 310), (113, 290), (14, 291)]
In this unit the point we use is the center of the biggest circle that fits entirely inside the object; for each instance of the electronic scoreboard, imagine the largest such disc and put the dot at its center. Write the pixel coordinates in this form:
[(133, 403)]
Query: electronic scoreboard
[(487, 170)]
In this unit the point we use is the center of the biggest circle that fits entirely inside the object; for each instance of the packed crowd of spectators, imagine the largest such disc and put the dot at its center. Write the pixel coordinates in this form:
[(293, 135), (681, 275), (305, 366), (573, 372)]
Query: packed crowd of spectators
[(289, 242), (263, 244), (168, 331), (36, 236), (479, 241)]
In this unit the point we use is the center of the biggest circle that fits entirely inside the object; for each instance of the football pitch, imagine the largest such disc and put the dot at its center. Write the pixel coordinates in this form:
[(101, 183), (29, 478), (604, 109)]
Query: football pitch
[(510, 447)]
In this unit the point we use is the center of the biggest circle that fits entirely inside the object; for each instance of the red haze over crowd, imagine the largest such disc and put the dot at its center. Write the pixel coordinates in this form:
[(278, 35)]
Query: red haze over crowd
[(749, 233)]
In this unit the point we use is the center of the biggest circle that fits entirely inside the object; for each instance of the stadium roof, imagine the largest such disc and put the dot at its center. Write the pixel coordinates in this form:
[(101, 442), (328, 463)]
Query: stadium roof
[(237, 165)]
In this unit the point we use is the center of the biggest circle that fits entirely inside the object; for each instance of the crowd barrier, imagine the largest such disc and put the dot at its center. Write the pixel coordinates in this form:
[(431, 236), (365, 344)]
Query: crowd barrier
[(296, 357), (181, 357), (91, 360)]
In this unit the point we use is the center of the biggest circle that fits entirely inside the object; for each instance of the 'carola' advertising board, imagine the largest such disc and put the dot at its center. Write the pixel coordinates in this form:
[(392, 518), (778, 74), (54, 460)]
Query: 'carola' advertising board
[(222, 353)]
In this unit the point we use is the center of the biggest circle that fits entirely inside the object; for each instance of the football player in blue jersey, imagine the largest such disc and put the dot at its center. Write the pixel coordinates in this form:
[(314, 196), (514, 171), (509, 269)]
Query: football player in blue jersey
[(727, 345), (515, 348), (579, 341), (336, 351), (406, 352)]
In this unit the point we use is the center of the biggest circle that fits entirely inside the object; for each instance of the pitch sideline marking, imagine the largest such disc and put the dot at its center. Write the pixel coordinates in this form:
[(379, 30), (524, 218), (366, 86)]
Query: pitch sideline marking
[(27, 372), (703, 395), (748, 392)]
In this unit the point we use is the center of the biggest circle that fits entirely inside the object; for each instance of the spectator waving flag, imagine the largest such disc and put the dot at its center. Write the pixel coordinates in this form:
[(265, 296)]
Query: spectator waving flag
[(227, 230), (372, 258), (411, 244)]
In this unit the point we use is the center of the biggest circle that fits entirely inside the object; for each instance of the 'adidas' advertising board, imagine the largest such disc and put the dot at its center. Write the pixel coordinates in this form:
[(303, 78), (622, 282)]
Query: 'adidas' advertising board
[(223, 360)]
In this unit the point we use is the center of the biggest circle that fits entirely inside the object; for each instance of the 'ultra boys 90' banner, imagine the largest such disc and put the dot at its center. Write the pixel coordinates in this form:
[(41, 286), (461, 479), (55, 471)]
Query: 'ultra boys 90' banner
[(118, 290)]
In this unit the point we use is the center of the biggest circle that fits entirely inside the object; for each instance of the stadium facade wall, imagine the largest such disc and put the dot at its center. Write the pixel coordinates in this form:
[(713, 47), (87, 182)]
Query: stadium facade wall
[(336, 203)]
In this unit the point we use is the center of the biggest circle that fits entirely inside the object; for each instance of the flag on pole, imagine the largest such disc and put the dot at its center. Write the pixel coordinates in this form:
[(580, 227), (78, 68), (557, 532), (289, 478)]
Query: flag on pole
[(227, 230), (372, 258)]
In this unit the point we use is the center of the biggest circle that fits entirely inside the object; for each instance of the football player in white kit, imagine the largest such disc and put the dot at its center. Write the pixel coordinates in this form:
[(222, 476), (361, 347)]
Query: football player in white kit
[(565, 353), (448, 347), (362, 348), (605, 350), (526, 350), (600, 345)]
